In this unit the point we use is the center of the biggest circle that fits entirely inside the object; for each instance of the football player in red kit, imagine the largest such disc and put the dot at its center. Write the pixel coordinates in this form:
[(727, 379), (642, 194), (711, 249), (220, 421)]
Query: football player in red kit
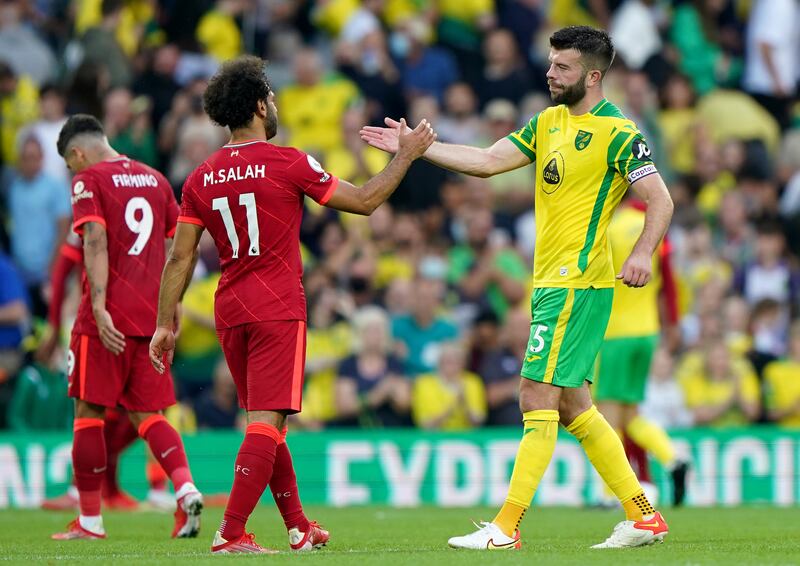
[(123, 210), (249, 196)]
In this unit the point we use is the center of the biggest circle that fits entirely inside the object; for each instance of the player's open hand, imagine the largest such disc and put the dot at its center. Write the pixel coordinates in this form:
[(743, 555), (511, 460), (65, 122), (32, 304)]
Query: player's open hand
[(637, 270), (112, 339), (413, 144), (386, 139), (162, 346)]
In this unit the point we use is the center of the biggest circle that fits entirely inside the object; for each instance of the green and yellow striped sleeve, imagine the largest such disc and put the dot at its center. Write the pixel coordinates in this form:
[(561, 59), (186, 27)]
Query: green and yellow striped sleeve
[(525, 138), (629, 155)]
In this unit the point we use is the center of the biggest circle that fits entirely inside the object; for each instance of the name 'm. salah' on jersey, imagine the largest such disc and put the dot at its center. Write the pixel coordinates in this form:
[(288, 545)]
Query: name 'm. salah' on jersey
[(249, 196), (136, 206)]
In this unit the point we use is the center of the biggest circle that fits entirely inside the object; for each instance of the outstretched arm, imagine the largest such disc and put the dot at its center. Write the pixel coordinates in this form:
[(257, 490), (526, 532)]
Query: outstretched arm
[(637, 269), (480, 162), (411, 144), (174, 280)]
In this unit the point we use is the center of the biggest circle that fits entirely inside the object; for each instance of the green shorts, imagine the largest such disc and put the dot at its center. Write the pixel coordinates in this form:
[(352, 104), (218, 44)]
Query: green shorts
[(566, 333), (622, 368)]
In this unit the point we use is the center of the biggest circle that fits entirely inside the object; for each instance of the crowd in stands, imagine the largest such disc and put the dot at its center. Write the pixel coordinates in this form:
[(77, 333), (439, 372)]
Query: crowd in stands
[(419, 315)]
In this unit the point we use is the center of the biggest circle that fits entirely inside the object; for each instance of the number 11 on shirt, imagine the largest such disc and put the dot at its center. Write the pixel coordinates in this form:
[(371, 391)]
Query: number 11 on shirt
[(247, 200)]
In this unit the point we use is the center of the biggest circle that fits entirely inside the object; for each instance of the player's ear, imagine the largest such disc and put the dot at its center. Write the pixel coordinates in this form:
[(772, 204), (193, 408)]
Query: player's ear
[(261, 108), (593, 78)]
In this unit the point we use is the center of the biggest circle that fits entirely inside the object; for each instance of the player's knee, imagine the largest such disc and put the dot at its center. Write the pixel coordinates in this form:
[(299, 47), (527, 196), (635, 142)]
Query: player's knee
[(274, 418), (86, 410), (536, 396), (137, 418)]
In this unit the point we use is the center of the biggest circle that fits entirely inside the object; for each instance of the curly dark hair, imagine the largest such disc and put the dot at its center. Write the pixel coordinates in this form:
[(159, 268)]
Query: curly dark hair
[(233, 93), (594, 45), (77, 125)]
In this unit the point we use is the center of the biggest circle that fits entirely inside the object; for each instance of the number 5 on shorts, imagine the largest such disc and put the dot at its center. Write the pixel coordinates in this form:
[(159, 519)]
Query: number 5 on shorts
[(536, 343)]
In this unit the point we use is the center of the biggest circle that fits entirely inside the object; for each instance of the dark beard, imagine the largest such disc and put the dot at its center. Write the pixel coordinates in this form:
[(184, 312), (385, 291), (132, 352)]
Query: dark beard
[(271, 124), (572, 94)]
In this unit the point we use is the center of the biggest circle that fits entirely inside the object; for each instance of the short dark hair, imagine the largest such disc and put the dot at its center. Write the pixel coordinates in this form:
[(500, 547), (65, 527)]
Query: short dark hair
[(77, 125), (593, 44), (233, 93)]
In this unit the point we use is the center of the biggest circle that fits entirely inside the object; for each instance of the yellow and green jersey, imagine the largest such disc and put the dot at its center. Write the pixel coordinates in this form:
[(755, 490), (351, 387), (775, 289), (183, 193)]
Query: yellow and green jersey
[(584, 164), (634, 311)]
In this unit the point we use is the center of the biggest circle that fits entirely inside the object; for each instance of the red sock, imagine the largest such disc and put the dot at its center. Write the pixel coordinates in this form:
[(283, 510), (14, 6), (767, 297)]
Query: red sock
[(167, 447), (156, 476), (284, 490), (89, 463), (119, 434), (252, 474)]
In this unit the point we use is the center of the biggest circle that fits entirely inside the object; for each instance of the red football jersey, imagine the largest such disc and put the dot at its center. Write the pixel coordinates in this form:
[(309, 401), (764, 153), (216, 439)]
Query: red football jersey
[(249, 196), (136, 205)]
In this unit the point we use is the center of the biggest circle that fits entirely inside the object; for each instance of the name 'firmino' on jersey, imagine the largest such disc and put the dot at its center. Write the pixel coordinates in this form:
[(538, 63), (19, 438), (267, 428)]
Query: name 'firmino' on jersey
[(584, 164)]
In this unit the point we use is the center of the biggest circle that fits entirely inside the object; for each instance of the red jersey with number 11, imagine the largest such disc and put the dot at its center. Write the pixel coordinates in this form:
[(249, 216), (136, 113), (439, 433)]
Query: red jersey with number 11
[(249, 196), (136, 206)]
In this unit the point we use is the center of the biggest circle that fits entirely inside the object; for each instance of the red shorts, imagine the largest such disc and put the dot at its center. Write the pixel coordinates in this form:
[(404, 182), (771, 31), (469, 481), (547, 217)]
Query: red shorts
[(129, 379), (267, 360)]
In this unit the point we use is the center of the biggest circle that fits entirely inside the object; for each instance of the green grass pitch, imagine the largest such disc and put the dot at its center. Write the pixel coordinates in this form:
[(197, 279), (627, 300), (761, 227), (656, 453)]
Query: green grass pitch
[(382, 536)]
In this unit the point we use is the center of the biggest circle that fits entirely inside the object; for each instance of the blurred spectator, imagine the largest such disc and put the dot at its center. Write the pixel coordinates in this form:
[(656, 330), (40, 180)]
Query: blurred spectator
[(501, 370), (158, 82), (398, 243), (484, 337), (664, 401), (127, 124), (355, 161), (217, 407), (462, 24), (197, 349), (695, 36), (732, 115), (371, 390), (736, 236), (40, 400), (768, 327), (770, 275), (523, 18), (52, 116), (87, 87), (19, 106), (33, 194), (218, 32), (504, 73), (312, 108), (641, 106), (22, 47), (460, 123), (677, 122), (328, 343), (736, 322), (425, 70), (485, 270), (13, 320), (782, 384), (450, 398), (369, 65), (634, 30), (101, 47), (363, 21), (512, 191), (773, 56), (720, 390), (421, 333)]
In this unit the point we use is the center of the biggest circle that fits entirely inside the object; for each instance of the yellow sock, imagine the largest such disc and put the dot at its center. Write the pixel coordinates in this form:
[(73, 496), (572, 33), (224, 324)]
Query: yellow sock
[(533, 456), (651, 438), (605, 452)]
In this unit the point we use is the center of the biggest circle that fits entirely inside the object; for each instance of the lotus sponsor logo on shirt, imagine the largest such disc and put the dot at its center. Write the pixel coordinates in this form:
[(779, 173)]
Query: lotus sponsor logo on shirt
[(553, 172)]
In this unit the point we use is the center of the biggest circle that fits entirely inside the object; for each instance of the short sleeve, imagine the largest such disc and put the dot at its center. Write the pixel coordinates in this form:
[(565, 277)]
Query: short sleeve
[(525, 138), (307, 174), (87, 203), (171, 211), (188, 211), (629, 155)]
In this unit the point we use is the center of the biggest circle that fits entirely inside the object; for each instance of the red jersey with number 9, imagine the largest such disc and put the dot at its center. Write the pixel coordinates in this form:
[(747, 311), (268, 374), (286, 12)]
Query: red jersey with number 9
[(249, 196), (136, 206)]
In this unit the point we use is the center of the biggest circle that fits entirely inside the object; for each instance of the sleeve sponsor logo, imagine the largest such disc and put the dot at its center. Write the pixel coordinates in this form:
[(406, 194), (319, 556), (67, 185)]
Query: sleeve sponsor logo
[(78, 187), (79, 192), (315, 165), (640, 150), (642, 171)]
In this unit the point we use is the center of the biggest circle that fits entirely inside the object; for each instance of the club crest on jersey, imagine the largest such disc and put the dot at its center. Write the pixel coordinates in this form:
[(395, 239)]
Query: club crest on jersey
[(553, 172), (582, 139)]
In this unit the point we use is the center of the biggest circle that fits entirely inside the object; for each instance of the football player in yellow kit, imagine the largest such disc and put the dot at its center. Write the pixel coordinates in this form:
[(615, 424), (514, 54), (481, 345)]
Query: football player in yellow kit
[(587, 154)]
